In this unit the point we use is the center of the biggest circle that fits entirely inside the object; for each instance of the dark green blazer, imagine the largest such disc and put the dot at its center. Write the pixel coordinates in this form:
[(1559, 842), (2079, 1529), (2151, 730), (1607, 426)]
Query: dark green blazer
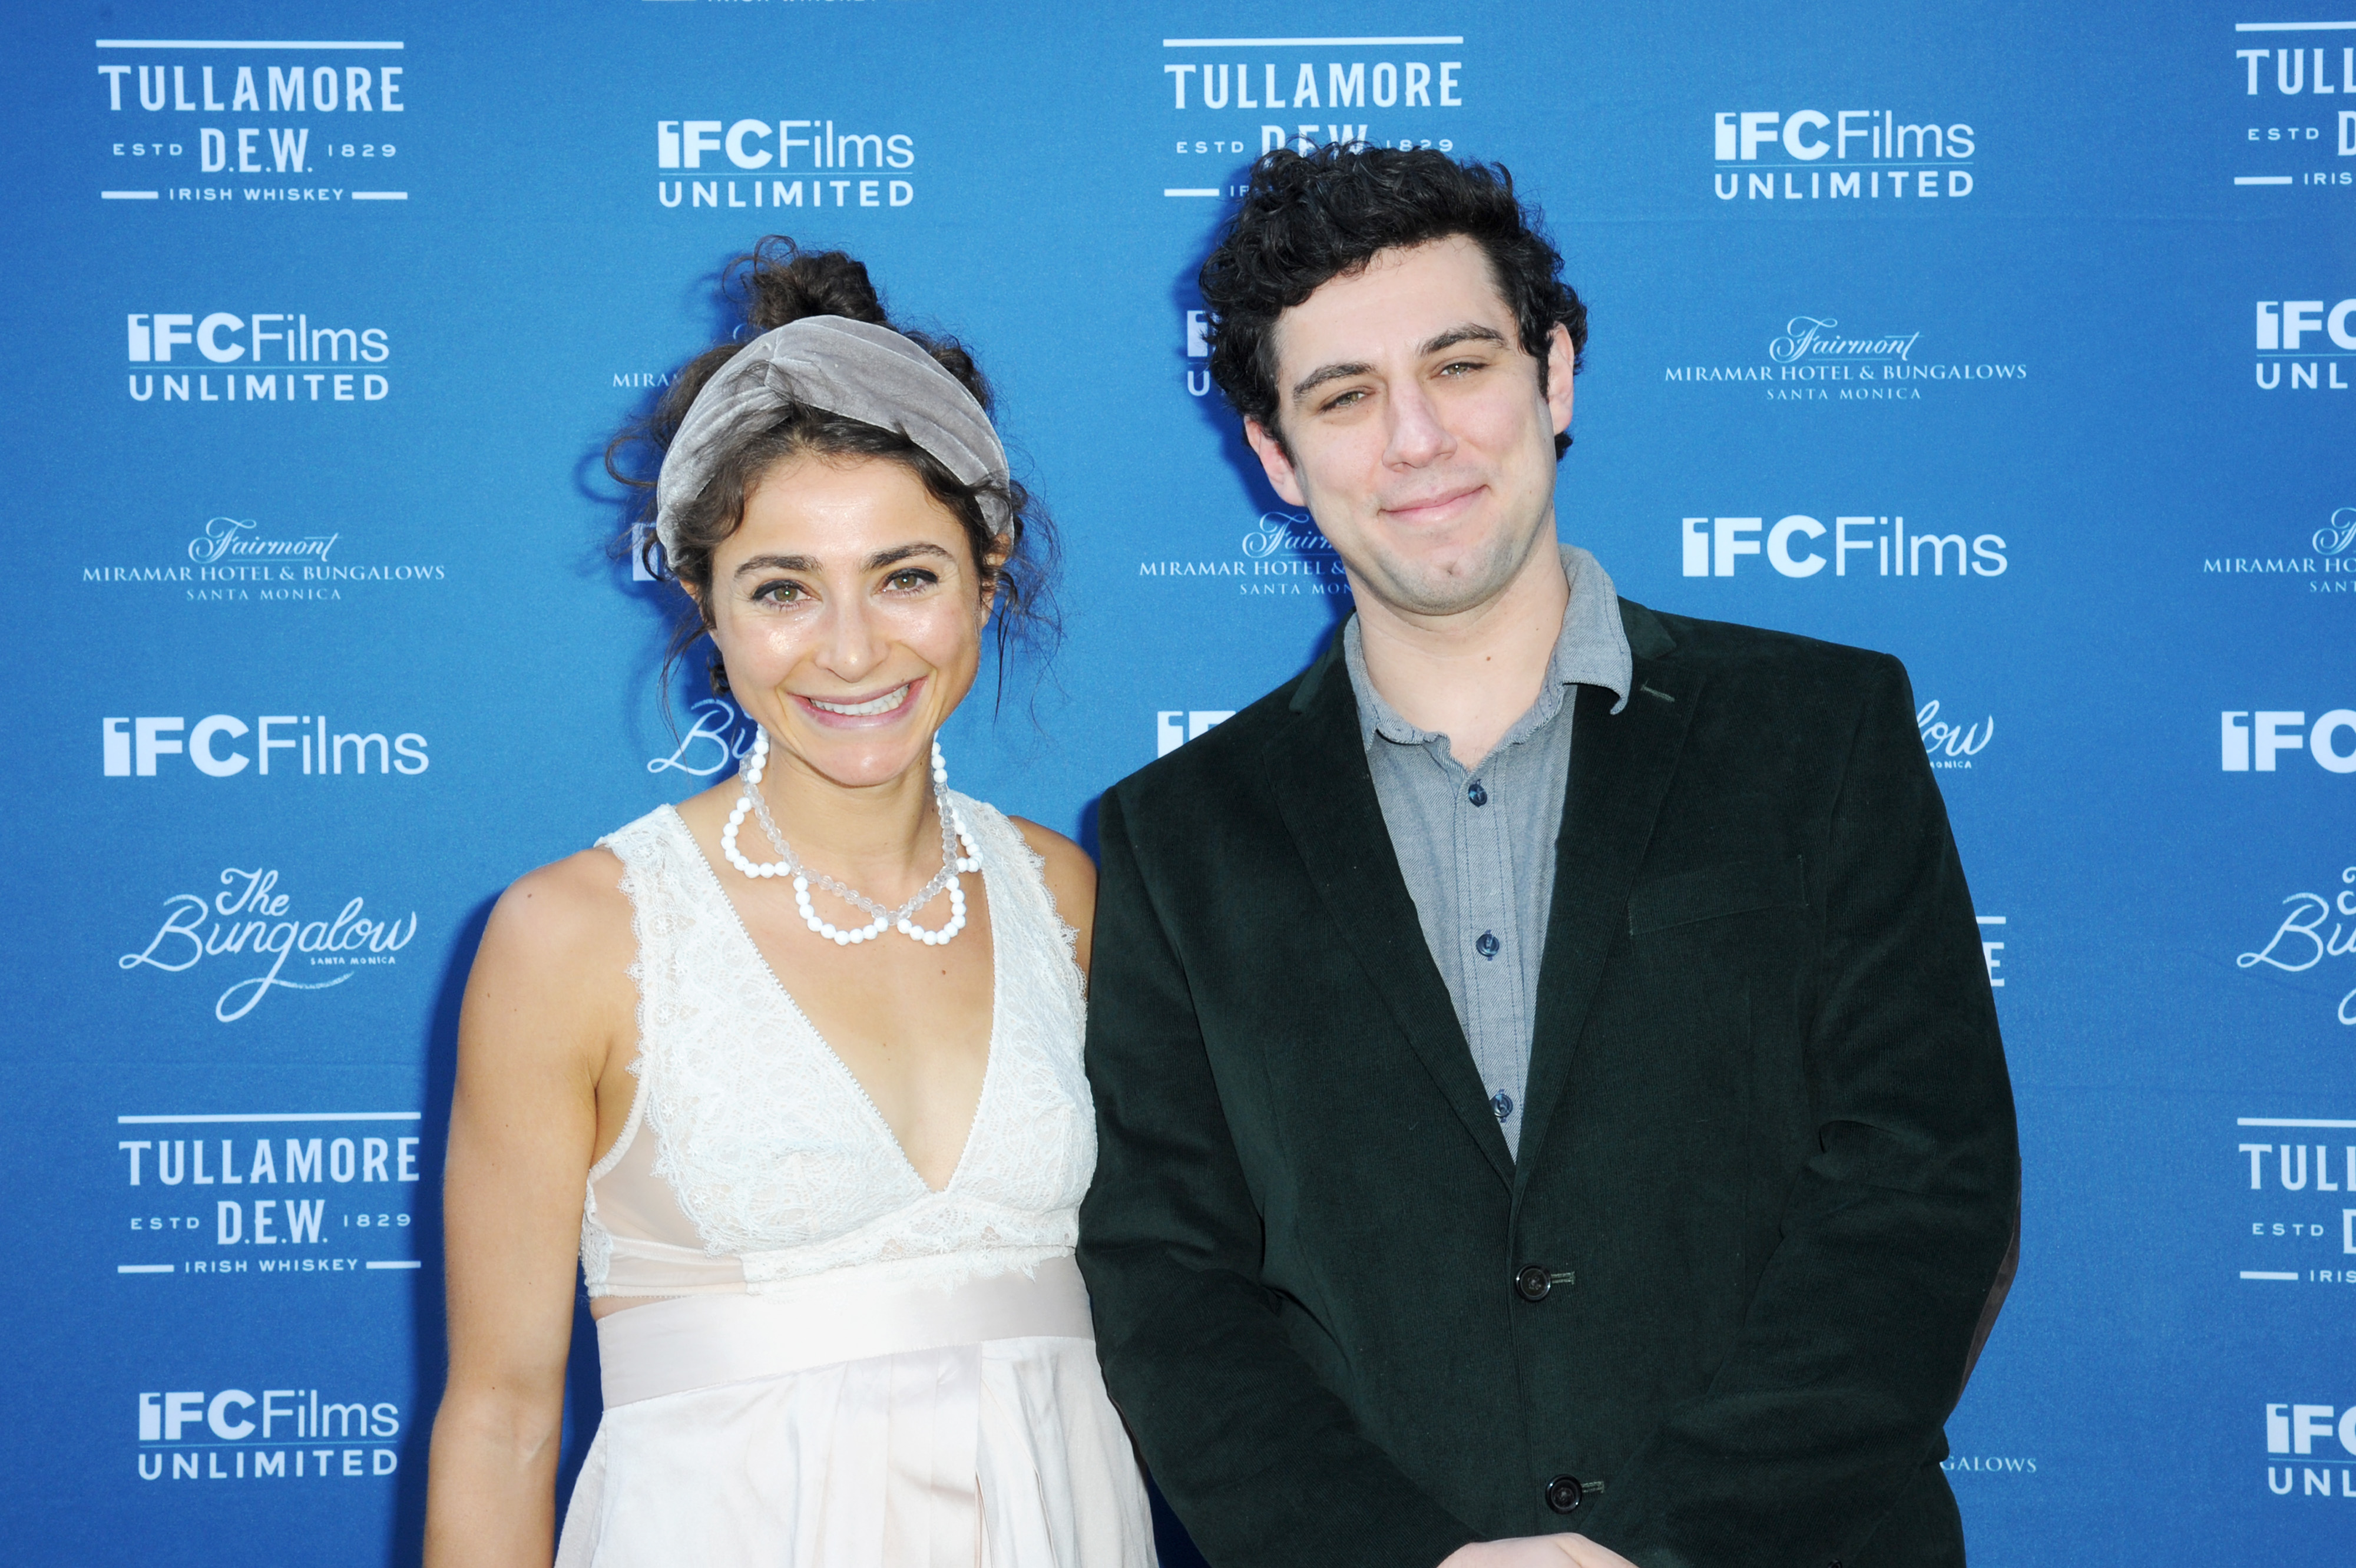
[(1768, 1174)]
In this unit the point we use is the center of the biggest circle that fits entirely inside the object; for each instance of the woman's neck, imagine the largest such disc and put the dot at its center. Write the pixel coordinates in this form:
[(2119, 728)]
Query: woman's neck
[(884, 839)]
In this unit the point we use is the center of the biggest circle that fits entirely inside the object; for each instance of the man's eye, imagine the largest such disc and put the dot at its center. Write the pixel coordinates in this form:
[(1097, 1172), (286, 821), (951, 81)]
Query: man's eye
[(1452, 368), (1346, 399)]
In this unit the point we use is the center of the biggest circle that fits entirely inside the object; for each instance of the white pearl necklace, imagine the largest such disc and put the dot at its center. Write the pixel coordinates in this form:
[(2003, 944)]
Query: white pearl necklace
[(900, 919)]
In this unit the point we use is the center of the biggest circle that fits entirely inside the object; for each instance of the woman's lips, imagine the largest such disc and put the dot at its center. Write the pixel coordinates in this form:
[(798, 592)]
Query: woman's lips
[(887, 707)]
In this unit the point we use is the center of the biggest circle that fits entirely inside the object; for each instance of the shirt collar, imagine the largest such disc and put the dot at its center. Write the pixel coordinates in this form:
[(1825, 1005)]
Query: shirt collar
[(1591, 649)]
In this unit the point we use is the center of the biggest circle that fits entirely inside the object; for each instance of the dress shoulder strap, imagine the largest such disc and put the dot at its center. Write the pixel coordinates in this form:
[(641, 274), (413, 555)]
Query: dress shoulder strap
[(1019, 878), (665, 912)]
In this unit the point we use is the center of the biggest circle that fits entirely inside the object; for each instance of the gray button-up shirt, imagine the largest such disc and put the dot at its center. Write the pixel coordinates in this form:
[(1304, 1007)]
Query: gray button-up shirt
[(1477, 847)]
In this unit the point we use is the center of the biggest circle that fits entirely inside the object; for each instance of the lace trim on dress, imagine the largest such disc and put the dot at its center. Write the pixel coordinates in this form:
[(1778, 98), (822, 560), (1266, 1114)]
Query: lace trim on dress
[(1064, 930), (637, 856)]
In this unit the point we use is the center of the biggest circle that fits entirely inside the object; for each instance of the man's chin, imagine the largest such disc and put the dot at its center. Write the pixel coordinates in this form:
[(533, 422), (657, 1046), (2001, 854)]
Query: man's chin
[(1431, 587)]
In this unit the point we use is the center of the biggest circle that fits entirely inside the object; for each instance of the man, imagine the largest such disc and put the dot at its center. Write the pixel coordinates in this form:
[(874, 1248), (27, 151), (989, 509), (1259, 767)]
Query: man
[(1551, 1103)]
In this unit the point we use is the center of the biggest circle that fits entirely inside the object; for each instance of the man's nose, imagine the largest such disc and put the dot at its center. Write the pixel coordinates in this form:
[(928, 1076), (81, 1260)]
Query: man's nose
[(1417, 433)]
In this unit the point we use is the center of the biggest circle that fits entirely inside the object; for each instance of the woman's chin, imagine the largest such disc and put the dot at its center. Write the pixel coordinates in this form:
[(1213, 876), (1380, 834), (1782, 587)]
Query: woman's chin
[(862, 768)]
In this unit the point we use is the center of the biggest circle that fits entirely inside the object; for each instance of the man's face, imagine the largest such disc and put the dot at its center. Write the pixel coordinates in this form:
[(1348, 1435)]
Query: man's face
[(1420, 439)]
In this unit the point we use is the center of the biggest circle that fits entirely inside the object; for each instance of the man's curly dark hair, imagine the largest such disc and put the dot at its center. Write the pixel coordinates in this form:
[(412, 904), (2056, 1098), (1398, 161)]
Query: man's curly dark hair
[(1309, 217)]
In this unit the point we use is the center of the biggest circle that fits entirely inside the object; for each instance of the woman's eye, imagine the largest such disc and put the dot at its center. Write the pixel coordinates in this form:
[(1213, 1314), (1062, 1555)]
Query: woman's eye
[(911, 579), (779, 592)]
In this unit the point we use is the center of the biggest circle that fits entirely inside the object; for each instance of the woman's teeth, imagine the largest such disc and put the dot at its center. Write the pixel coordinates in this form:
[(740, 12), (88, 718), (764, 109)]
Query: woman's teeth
[(882, 704)]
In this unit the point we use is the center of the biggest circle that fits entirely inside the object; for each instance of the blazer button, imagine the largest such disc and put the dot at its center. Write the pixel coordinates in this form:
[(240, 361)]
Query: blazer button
[(1533, 1284), (1564, 1494)]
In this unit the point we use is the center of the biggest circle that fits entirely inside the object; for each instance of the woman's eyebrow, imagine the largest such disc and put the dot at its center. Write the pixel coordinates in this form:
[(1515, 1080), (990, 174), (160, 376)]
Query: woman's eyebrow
[(777, 564), (899, 552)]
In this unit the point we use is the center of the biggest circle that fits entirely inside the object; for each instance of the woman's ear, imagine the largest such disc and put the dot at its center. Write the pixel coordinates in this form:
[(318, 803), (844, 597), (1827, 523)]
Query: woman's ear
[(993, 575)]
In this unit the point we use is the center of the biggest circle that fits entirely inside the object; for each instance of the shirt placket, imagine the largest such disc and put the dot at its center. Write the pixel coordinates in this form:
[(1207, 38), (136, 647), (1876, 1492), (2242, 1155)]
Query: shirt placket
[(1490, 935)]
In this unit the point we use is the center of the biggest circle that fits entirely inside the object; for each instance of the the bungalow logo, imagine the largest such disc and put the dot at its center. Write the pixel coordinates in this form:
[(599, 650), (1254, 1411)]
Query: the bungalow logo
[(251, 926), (2317, 927), (719, 737), (1952, 743)]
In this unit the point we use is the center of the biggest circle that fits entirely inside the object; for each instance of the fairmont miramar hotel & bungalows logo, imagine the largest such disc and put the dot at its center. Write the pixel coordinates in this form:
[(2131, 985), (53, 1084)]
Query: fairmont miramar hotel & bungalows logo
[(1817, 358)]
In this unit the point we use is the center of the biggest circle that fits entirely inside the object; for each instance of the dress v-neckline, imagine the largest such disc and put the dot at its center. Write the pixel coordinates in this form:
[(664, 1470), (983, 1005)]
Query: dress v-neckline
[(875, 1115)]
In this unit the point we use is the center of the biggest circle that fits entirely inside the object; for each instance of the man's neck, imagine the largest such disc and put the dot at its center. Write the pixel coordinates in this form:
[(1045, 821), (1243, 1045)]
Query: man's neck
[(1470, 675)]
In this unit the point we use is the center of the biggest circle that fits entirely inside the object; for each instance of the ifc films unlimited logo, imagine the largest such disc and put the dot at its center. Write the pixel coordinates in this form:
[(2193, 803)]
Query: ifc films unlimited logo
[(1847, 155)]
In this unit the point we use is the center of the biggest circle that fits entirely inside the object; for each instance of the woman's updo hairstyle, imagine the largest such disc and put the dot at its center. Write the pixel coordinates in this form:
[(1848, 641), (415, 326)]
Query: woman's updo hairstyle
[(778, 283)]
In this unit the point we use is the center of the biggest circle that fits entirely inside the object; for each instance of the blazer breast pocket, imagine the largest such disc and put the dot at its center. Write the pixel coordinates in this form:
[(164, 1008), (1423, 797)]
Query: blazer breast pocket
[(1737, 887)]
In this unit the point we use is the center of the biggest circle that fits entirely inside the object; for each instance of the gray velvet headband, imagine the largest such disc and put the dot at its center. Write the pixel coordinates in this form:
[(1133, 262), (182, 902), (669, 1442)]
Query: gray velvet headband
[(864, 372)]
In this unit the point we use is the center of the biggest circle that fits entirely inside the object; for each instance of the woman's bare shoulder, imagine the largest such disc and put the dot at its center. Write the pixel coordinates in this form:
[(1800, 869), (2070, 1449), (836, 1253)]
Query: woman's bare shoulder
[(562, 914), (1068, 865)]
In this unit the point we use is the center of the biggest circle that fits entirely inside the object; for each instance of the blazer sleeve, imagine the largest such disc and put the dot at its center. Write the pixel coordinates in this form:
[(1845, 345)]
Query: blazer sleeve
[(1856, 1341), (1262, 1462)]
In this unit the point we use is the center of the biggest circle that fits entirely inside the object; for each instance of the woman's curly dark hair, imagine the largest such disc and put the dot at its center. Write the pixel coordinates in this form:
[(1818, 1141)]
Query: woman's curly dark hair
[(1309, 217), (779, 282)]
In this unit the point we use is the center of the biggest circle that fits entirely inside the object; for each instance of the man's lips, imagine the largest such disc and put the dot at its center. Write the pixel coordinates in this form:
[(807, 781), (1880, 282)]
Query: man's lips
[(1442, 507)]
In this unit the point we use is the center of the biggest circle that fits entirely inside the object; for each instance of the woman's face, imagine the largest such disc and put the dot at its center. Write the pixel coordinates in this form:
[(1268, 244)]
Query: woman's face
[(849, 611)]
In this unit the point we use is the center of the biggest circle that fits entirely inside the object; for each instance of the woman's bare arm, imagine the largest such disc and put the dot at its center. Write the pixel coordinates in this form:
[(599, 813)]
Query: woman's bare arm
[(548, 1004)]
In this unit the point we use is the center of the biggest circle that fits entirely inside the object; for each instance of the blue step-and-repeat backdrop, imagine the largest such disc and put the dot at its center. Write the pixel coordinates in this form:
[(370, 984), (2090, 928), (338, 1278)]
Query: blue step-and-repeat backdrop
[(2018, 339)]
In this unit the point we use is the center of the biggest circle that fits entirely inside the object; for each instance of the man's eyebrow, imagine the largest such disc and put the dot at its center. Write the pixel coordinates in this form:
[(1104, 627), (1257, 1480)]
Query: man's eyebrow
[(1323, 374), (1471, 332)]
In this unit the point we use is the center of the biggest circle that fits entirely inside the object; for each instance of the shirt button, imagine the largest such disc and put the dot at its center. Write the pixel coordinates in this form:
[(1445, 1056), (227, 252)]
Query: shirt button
[(1487, 944), (1502, 1103), (1475, 793)]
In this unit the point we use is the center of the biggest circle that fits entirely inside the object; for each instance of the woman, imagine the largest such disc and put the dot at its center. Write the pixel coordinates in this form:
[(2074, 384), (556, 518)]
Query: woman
[(797, 1063)]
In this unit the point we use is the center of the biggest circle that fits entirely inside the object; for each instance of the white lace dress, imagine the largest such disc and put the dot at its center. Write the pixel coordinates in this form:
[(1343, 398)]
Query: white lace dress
[(845, 1367)]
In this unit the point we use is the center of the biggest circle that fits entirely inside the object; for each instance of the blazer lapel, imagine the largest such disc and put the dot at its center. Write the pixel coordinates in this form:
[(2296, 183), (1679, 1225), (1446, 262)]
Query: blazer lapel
[(1326, 792), (1620, 765)]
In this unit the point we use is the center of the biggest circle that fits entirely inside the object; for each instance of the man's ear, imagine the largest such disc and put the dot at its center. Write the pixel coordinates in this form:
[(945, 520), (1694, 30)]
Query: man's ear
[(1275, 463), (1561, 364)]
